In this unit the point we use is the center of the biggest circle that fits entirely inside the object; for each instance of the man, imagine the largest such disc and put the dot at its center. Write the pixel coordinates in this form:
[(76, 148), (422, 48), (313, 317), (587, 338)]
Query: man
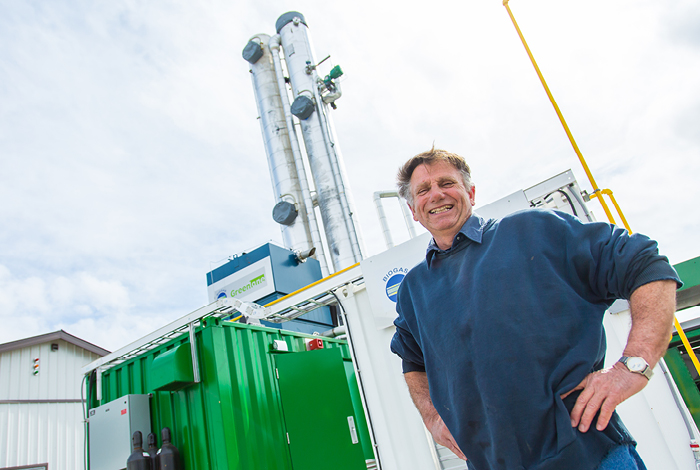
[(500, 327)]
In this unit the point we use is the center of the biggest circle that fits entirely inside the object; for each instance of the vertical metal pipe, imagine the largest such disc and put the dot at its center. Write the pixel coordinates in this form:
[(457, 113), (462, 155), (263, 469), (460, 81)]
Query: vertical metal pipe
[(274, 45), (338, 172), (276, 136), (334, 209), (573, 190), (382, 219), (678, 398), (348, 292), (407, 217), (98, 375)]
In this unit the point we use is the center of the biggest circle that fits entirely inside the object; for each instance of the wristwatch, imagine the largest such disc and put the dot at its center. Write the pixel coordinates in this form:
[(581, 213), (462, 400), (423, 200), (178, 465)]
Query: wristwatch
[(638, 365)]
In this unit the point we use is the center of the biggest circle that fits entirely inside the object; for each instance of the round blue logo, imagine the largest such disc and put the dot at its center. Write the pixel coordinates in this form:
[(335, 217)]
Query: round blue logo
[(222, 295), (392, 286)]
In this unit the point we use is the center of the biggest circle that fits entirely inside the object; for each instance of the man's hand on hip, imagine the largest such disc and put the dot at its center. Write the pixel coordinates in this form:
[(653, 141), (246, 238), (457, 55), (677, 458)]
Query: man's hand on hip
[(652, 307), (443, 436), (603, 390)]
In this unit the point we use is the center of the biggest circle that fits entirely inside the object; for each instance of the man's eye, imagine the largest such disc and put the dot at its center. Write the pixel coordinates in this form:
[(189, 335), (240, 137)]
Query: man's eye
[(448, 184), (422, 191)]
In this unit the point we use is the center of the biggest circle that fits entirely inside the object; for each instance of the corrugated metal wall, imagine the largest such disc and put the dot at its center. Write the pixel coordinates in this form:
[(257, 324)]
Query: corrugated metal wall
[(233, 418), (42, 433), (41, 415)]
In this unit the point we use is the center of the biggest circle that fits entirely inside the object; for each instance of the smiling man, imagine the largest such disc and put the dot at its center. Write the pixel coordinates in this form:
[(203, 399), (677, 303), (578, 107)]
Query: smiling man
[(442, 201), (500, 327)]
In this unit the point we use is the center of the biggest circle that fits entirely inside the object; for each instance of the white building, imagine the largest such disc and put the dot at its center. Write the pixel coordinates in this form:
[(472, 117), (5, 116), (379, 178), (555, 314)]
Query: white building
[(41, 411)]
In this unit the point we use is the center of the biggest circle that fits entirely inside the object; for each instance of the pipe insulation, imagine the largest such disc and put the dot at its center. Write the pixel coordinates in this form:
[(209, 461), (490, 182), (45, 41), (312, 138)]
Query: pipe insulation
[(274, 45), (321, 150), (277, 137)]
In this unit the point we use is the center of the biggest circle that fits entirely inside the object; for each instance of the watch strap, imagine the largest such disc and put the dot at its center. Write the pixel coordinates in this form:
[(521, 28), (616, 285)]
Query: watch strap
[(646, 372)]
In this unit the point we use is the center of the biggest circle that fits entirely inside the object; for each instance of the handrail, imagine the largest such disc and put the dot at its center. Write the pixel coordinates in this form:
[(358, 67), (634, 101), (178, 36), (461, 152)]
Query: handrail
[(311, 285), (609, 193), (596, 191)]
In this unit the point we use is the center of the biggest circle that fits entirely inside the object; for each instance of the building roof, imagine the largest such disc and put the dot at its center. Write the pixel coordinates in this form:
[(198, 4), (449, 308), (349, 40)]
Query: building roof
[(60, 334)]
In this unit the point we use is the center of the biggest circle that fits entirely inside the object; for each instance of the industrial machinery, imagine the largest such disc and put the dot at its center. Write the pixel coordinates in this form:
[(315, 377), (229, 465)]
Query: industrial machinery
[(240, 394), (265, 274), (246, 396), (271, 57)]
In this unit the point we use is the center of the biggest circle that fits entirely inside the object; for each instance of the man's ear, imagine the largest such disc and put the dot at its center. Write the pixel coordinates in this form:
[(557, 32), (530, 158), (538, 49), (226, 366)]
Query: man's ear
[(412, 211)]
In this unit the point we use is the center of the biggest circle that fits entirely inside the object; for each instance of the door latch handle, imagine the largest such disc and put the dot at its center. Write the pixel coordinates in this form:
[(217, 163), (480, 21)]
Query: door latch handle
[(353, 430)]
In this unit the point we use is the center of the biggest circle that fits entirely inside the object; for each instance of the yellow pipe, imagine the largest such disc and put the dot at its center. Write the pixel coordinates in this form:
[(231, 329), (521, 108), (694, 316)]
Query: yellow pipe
[(561, 116), (311, 285), (686, 343), (599, 195), (596, 190), (609, 193), (619, 210)]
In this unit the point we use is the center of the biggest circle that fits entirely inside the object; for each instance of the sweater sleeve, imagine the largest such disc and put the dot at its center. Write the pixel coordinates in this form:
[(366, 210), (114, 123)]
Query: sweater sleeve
[(612, 262), (404, 345), (408, 350)]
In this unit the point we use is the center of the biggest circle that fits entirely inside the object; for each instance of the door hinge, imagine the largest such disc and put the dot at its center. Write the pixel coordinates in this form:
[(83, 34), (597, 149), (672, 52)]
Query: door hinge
[(277, 373), (287, 438)]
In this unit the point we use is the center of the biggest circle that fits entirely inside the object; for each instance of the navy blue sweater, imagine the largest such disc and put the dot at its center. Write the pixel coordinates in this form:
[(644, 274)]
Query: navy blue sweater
[(510, 318)]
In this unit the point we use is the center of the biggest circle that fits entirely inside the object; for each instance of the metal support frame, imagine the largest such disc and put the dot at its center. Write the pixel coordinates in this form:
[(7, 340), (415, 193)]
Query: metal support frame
[(318, 295), (218, 309), (286, 309), (378, 196), (346, 293), (98, 374), (193, 350)]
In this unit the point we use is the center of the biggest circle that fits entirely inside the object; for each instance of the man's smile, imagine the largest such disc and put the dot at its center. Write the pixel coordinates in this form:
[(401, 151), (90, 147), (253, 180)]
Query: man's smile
[(441, 209)]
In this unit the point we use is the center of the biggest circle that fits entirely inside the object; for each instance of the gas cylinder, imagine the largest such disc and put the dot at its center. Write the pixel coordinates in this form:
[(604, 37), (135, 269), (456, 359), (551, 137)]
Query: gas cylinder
[(138, 460), (168, 455), (152, 450)]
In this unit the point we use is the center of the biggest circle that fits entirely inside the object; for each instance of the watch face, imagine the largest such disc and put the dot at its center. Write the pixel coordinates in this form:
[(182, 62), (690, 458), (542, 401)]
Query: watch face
[(636, 364)]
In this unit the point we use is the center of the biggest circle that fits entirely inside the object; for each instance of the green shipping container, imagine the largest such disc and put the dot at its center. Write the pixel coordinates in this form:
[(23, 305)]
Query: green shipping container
[(256, 407)]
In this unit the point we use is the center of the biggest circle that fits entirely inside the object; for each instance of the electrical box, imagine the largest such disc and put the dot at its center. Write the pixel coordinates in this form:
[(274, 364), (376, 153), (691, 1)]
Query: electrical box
[(111, 427)]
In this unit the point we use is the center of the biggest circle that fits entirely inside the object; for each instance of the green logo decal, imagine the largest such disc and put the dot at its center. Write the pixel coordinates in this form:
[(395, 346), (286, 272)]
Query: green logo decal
[(250, 285)]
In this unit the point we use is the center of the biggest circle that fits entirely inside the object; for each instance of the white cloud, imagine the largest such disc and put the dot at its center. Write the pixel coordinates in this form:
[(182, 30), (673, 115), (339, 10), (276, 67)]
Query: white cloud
[(131, 156), (28, 303)]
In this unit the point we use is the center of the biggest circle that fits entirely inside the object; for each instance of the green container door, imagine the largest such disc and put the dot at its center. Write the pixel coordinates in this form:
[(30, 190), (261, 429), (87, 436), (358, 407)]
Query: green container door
[(321, 421)]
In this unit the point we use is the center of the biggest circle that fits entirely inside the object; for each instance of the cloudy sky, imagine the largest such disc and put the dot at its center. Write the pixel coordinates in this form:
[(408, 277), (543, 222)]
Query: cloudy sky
[(131, 159)]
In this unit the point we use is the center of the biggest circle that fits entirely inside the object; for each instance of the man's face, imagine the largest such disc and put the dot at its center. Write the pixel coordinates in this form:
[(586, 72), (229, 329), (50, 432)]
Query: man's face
[(441, 203)]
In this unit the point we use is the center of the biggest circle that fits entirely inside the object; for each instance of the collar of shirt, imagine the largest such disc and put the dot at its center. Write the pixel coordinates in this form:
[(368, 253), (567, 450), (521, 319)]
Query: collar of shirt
[(472, 230)]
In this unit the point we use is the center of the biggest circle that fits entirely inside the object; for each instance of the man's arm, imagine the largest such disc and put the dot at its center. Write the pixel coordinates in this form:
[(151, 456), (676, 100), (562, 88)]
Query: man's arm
[(420, 394), (652, 307)]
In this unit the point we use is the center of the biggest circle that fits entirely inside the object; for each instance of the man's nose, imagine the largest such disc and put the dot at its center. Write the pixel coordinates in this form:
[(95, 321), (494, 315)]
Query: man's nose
[(436, 193)]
